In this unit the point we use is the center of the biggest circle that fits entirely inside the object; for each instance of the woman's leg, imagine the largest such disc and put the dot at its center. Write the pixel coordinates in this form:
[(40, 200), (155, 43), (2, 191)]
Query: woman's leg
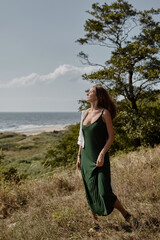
[(95, 222), (119, 206), (128, 217), (94, 217)]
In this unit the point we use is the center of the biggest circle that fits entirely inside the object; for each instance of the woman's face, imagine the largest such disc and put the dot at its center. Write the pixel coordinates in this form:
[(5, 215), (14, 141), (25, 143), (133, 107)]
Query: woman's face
[(91, 95)]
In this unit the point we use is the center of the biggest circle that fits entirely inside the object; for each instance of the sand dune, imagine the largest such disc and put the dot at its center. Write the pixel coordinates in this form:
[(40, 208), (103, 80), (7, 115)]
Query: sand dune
[(48, 129)]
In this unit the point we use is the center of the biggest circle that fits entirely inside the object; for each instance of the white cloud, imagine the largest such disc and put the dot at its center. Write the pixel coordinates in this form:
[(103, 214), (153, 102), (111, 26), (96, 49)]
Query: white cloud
[(69, 71)]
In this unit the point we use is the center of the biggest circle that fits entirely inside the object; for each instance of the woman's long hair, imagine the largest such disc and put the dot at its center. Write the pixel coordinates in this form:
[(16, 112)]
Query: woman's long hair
[(105, 100)]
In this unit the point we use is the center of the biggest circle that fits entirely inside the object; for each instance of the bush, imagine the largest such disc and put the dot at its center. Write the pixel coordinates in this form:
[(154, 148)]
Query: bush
[(133, 130), (64, 152), (2, 155), (11, 175)]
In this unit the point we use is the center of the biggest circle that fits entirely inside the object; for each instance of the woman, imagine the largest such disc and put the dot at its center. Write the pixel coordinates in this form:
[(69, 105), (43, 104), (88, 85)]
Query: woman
[(95, 138)]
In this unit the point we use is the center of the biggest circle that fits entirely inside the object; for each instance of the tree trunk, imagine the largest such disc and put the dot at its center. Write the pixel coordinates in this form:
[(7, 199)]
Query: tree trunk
[(131, 92), (134, 105)]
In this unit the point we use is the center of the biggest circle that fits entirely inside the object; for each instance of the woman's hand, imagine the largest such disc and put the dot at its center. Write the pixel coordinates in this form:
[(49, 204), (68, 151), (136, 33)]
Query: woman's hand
[(78, 163), (100, 160)]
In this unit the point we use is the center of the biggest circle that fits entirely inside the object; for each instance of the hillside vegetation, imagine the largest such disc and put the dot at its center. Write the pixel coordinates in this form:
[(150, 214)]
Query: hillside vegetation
[(23, 157), (54, 206)]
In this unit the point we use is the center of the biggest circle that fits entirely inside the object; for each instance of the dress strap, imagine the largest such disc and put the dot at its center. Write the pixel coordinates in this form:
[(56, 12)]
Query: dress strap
[(102, 111)]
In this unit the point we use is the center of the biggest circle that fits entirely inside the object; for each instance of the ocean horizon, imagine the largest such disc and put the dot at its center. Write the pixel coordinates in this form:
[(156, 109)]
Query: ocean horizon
[(28, 121)]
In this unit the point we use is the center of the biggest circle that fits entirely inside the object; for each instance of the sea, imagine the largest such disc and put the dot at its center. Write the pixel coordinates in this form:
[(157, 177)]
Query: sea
[(28, 121)]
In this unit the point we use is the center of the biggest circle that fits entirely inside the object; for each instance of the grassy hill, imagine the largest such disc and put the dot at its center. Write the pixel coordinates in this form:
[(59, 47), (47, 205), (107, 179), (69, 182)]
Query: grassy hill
[(54, 206), (25, 155)]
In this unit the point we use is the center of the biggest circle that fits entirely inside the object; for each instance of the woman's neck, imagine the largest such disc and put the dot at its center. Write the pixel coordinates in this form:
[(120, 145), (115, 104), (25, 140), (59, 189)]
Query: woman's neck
[(94, 106)]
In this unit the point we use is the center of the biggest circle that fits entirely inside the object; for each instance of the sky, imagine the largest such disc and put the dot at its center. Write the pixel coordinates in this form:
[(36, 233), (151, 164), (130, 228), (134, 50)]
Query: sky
[(39, 67)]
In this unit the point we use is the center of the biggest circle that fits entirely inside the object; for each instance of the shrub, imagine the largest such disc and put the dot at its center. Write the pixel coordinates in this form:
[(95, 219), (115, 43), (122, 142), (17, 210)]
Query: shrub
[(64, 152), (11, 175), (2, 155)]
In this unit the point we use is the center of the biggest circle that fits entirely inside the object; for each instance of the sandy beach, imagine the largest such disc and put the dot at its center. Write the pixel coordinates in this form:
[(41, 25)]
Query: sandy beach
[(49, 129)]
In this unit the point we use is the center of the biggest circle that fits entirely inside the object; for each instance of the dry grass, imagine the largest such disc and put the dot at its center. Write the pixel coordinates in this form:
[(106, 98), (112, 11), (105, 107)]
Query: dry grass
[(55, 207)]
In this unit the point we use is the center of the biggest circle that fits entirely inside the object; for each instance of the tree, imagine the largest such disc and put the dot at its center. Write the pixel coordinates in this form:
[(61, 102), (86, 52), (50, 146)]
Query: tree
[(134, 66)]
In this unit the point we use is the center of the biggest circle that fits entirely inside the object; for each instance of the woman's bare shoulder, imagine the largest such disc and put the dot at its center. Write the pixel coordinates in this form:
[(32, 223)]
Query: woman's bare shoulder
[(106, 111), (106, 114)]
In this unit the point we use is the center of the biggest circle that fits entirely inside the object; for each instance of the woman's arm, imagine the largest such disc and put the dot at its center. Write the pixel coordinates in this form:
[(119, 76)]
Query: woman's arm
[(108, 120), (79, 158), (80, 148)]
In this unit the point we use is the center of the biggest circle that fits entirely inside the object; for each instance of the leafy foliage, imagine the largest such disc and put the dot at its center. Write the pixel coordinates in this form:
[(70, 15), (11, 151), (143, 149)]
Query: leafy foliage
[(132, 71), (134, 66), (11, 175), (2, 155), (132, 130), (64, 152)]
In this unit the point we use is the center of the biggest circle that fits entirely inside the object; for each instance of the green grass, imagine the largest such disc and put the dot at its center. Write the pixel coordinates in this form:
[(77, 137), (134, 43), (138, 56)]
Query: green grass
[(26, 153)]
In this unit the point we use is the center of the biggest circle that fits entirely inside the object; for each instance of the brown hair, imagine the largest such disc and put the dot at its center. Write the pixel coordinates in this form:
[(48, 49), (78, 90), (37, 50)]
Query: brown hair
[(105, 100)]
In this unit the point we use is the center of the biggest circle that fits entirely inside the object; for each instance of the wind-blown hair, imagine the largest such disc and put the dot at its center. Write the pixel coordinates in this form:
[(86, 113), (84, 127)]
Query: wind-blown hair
[(105, 100)]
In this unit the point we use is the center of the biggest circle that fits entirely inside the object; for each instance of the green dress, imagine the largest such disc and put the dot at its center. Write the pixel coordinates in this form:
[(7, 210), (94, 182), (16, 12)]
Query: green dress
[(97, 180)]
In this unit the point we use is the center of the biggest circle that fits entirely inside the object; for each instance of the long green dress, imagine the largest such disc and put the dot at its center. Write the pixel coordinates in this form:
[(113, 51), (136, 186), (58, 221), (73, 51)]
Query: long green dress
[(97, 180)]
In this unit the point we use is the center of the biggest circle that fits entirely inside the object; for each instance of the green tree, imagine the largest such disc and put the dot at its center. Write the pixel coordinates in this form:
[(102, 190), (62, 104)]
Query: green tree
[(133, 68), (132, 130)]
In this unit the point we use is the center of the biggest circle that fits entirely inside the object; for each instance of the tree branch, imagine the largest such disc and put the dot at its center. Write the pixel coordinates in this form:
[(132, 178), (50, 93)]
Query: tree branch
[(85, 58), (140, 88)]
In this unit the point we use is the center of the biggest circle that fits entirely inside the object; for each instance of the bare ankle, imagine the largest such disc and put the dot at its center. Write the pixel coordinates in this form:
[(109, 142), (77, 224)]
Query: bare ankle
[(127, 216), (94, 217)]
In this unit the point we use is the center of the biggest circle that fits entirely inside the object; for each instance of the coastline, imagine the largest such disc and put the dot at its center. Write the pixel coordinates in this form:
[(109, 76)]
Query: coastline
[(34, 123), (41, 130)]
